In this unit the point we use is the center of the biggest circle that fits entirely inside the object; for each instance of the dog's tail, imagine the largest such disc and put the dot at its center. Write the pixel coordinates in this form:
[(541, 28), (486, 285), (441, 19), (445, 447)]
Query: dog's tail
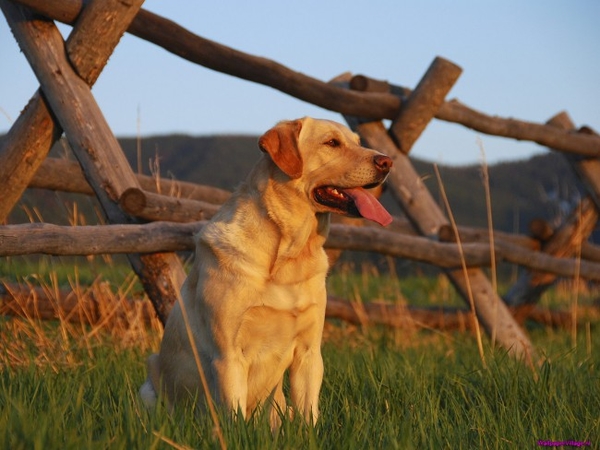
[(148, 391)]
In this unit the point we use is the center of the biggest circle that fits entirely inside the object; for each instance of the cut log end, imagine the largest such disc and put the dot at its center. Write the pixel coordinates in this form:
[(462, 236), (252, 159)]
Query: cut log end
[(133, 201)]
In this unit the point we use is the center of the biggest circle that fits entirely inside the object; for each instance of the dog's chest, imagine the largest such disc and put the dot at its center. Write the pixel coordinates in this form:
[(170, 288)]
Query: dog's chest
[(293, 298), (283, 317)]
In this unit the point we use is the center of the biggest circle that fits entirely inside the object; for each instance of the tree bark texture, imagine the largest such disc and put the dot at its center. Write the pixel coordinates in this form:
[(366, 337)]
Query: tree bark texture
[(150, 206), (424, 102)]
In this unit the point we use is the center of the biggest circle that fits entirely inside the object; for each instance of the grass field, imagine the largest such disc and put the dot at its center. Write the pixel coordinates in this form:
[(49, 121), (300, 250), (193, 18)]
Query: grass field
[(67, 386)]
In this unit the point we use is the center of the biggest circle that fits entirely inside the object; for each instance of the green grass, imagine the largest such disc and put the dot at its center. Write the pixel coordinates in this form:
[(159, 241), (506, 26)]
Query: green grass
[(369, 284), (64, 269), (65, 386), (377, 393)]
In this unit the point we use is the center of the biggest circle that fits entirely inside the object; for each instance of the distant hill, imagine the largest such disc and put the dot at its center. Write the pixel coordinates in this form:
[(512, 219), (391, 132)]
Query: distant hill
[(540, 187), (221, 161), (543, 186)]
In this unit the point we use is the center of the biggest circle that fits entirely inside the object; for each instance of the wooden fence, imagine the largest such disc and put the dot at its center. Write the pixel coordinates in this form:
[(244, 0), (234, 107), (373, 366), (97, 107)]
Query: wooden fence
[(135, 210)]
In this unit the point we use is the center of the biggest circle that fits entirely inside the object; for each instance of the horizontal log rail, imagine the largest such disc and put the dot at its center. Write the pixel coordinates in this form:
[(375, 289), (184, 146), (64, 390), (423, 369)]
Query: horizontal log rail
[(166, 236), (66, 176), (96, 305), (212, 55), (156, 207), (446, 255), (44, 238), (440, 318), (588, 251)]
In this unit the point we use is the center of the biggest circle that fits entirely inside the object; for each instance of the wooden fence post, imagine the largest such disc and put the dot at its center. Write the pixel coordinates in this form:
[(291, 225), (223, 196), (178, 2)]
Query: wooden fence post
[(571, 236), (29, 140), (423, 103), (428, 218), (93, 143), (588, 169)]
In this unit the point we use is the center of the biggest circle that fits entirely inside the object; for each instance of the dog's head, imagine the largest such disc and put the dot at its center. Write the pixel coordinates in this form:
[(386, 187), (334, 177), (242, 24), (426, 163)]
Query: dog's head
[(327, 161)]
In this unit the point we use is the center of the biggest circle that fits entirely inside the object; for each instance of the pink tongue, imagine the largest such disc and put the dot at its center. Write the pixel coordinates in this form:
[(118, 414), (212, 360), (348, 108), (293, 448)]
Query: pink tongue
[(369, 207)]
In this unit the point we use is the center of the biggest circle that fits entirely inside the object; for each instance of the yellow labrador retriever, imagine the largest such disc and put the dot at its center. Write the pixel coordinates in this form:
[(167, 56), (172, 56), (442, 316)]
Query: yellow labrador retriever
[(254, 300)]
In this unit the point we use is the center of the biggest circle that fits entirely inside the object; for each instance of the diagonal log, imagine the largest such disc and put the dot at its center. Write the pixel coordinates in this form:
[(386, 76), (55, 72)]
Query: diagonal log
[(428, 218), (588, 170), (96, 33), (423, 103), (212, 55), (49, 239), (490, 309), (92, 142)]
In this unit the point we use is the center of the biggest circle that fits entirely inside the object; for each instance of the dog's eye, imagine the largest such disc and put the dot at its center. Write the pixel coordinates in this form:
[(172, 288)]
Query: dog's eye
[(333, 143)]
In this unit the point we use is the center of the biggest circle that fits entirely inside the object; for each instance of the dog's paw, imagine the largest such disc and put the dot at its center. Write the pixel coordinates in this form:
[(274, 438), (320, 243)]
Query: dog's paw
[(148, 394)]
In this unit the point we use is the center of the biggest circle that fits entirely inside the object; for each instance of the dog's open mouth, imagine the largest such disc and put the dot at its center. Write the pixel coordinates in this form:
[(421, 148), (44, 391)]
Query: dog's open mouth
[(357, 202)]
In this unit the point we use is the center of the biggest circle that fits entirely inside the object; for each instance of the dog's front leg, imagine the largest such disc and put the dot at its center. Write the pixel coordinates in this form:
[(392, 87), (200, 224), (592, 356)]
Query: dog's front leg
[(306, 375), (232, 379)]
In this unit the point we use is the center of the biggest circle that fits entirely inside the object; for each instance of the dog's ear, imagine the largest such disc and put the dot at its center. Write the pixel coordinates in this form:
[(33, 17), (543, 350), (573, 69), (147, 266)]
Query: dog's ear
[(281, 143)]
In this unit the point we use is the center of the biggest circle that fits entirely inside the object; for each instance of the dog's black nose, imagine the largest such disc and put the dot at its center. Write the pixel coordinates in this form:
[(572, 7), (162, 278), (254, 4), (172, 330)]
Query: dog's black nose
[(383, 163)]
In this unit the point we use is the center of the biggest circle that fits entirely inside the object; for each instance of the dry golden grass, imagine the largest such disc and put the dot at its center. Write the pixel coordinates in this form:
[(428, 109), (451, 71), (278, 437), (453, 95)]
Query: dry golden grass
[(82, 321)]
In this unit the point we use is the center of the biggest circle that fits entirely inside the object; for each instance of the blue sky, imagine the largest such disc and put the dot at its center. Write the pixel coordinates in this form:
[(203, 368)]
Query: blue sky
[(526, 59)]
